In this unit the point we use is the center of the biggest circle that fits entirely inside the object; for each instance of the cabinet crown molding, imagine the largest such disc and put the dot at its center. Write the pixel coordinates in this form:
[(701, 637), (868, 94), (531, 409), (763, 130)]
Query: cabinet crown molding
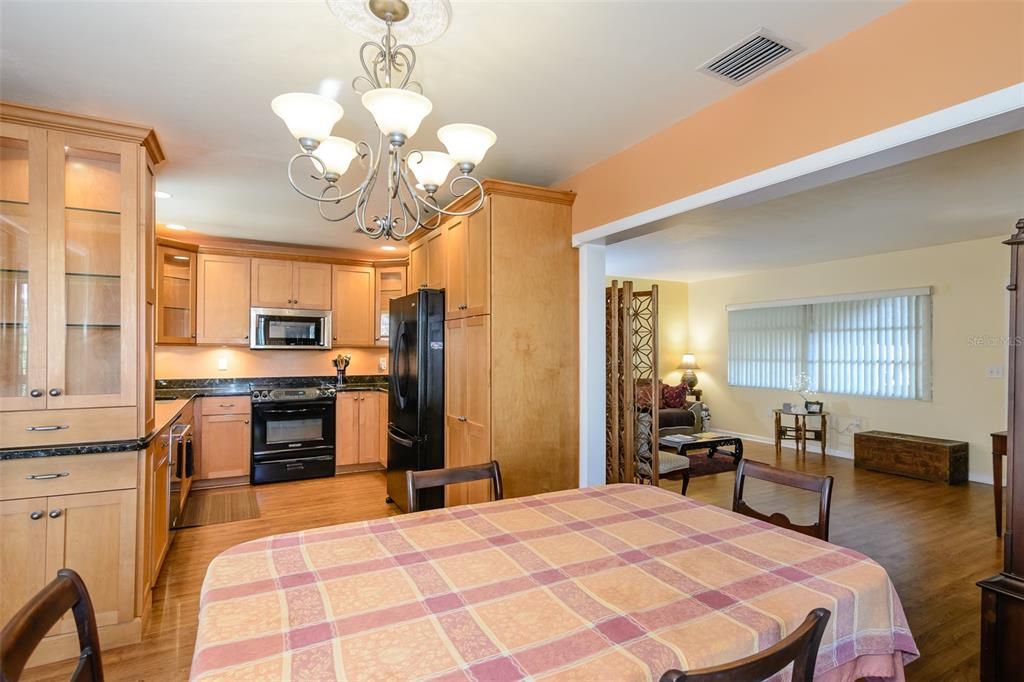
[(89, 125)]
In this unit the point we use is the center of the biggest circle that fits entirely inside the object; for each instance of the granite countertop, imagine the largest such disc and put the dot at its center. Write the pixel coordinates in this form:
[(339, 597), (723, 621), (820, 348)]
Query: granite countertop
[(174, 394)]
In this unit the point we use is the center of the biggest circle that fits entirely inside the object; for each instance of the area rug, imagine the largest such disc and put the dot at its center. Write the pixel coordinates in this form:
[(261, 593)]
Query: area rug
[(209, 507)]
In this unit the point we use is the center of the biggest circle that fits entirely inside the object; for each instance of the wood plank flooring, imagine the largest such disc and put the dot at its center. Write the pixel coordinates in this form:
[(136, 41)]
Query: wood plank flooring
[(934, 540)]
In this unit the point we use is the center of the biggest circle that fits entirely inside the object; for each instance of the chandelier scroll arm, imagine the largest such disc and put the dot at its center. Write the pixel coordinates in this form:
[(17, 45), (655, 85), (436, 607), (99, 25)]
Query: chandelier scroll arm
[(433, 206)]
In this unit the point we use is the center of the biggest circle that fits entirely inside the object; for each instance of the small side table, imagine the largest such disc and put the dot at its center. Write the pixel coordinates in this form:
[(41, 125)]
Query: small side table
[(998, 452), (800, 431)]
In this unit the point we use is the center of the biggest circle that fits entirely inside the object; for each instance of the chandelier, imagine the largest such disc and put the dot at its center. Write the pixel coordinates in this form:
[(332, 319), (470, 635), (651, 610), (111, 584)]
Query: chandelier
[(398, 107)]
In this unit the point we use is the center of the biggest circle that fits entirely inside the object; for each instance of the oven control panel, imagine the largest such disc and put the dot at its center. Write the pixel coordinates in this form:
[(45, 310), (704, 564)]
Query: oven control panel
[(277, 395)]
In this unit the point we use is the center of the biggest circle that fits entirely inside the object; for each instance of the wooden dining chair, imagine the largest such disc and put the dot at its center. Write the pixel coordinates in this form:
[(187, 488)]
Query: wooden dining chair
[(794, 479), (800, 649), (22, 634), (432, 478)]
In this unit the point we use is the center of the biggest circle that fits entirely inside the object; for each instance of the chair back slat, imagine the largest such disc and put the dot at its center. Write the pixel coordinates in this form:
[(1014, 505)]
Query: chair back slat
[(800, 648), (433, 478), (22, 634), (793, 479)]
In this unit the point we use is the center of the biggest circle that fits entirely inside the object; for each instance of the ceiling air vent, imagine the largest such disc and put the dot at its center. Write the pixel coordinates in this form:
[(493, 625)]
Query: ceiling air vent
[(750, 57)]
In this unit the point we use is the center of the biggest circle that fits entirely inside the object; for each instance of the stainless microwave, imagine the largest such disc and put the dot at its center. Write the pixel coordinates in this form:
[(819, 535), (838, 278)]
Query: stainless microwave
[(284, 328)]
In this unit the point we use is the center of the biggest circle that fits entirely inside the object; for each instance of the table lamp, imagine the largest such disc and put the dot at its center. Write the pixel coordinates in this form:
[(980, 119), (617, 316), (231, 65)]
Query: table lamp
[(688, 364)]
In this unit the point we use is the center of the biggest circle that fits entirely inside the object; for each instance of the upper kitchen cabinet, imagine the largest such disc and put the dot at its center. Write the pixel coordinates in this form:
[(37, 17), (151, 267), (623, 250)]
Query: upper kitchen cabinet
[(176, 295), (72, 267), (468, 264), (427, 258), (353, 313), (291, 284), (390, 285), (222, 306)]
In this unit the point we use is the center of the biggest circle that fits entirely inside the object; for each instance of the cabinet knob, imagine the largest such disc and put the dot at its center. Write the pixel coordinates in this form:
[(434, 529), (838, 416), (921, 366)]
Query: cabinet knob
[(193, 336), (462, 419), (35, 393), (246, 421), (55, 513), (55, 392), (36, 515)]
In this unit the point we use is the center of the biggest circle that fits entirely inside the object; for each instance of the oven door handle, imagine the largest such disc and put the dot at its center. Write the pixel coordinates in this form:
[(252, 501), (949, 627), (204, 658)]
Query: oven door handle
[(265, 411)]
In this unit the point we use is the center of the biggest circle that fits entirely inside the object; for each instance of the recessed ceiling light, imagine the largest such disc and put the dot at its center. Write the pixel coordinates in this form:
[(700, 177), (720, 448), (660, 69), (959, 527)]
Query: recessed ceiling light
[(388, 248), (173, 226), (162, 195)]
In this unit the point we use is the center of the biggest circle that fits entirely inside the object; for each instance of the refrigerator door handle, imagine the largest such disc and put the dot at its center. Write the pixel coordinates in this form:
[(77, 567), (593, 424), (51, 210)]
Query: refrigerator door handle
[(399, 438), (398, 379)]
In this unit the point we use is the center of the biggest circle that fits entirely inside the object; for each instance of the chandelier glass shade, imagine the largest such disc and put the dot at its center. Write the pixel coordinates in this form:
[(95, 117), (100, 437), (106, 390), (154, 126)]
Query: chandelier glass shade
[(398, 108)]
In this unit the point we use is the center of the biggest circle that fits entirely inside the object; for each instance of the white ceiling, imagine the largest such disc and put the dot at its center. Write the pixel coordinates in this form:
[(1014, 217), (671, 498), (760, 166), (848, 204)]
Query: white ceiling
[(563, 84), (970, 192)]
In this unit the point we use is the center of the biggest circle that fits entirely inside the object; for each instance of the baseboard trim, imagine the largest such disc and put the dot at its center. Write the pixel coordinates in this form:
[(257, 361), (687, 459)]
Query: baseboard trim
[(65, 646), (985, 479)]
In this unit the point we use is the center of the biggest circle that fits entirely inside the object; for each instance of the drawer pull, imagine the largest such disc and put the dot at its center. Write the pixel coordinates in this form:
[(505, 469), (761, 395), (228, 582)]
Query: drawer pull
[(55, 513), (46, 477), (36, 515), (227, 404), (50, 427)]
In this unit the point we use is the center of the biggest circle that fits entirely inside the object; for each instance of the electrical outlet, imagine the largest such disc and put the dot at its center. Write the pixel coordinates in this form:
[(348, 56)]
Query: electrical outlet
[(382, 364), (995, 372), (855, 423), (222, 364)]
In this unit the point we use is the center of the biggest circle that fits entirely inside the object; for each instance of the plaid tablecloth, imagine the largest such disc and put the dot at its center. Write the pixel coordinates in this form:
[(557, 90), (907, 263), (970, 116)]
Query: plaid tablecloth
[(620, 582)]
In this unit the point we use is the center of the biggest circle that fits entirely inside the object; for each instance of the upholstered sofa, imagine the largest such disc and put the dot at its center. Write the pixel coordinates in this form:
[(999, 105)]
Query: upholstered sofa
[(691, 416)]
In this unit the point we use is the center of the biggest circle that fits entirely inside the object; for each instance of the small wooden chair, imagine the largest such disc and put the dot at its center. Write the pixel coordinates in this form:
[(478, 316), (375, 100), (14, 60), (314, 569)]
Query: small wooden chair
[(432, 478), (800, 649), (26, 629), (795, 479)]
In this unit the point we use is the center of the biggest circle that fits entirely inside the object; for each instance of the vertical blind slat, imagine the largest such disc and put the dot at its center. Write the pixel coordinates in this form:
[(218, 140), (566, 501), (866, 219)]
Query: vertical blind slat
[(874, 347)]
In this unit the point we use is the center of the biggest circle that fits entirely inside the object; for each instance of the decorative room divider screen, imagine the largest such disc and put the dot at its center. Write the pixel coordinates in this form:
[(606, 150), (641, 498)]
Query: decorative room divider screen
[(633, 389)]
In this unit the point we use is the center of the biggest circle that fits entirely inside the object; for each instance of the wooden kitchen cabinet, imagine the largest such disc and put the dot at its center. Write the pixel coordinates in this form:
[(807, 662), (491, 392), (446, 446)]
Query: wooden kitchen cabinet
[(467, 265), (358, 427), (467, 403), (417, 265), (225, 437), (176, 295), (222, 309), (290, 284), (353, 312), (92, 533), (437, 254), (382, 405), (159, 489), (391, 284)]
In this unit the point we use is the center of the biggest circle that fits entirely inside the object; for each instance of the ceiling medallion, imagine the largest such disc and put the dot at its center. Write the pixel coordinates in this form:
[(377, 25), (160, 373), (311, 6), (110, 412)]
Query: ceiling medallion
[(398, 107)]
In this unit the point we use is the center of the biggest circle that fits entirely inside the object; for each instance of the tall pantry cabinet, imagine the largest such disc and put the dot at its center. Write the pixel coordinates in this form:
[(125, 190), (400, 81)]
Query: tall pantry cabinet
[(76, 198), (511, 338)]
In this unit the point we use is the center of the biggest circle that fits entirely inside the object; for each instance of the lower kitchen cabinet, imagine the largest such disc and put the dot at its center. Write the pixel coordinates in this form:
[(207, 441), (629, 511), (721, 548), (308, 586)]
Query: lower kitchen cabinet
[(359, 425), (46, 524), (224, 445), (467, 421)]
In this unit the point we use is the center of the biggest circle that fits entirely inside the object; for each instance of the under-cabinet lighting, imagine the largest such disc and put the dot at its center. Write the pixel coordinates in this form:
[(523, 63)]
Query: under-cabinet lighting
[(162, 195)]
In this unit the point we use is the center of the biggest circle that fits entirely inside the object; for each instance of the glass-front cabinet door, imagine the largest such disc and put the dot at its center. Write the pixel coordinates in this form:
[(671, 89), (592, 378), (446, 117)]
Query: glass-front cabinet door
[(92, 296), (22, 268), (176, 295)]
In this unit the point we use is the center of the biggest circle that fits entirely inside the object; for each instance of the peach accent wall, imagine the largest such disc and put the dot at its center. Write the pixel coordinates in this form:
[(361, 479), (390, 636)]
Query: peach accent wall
[(200, 362), (922, 57)]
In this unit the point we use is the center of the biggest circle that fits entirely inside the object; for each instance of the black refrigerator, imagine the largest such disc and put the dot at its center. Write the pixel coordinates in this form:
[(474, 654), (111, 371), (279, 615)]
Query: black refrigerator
[(416, 394)]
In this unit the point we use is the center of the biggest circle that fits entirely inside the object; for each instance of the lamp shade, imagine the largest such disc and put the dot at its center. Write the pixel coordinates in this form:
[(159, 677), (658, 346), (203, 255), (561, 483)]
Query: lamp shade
[(307, 115), (466, 142), (431, 168), (397, 111), (336, 153), (689, 361)]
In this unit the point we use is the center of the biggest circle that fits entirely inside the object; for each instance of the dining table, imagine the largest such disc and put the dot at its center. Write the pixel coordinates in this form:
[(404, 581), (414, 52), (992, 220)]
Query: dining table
[(615, 582)]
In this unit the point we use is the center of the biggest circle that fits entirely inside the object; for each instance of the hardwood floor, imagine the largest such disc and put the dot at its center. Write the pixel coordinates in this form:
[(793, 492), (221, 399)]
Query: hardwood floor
[(934, 540)]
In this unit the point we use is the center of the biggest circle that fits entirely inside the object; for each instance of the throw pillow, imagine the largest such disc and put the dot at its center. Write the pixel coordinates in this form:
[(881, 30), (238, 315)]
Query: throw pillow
[(674, 396)]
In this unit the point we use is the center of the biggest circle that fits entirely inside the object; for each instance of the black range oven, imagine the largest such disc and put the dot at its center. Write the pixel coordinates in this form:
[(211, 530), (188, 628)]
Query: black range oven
[(292, 433)]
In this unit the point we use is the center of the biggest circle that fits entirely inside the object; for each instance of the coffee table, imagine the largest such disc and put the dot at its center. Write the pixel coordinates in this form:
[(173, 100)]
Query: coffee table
[(706, 440)]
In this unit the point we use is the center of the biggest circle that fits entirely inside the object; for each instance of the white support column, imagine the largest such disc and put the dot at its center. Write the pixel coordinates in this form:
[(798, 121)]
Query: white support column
[(592, 365)]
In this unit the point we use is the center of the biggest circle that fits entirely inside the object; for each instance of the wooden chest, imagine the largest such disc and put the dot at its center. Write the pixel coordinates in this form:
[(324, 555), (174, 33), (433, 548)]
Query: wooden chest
[(931, 459)]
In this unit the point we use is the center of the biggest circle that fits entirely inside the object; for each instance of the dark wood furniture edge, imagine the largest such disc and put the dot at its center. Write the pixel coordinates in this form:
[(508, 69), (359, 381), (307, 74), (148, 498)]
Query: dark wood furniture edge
[(795, 479), (434, 478)]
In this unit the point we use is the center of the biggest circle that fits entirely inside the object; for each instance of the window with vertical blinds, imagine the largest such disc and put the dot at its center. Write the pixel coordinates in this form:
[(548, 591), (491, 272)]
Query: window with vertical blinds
[(876, 345)]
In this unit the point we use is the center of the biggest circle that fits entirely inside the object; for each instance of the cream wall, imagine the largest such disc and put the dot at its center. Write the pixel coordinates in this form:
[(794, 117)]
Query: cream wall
[(673, 323), (970, 307), (201, 362)]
